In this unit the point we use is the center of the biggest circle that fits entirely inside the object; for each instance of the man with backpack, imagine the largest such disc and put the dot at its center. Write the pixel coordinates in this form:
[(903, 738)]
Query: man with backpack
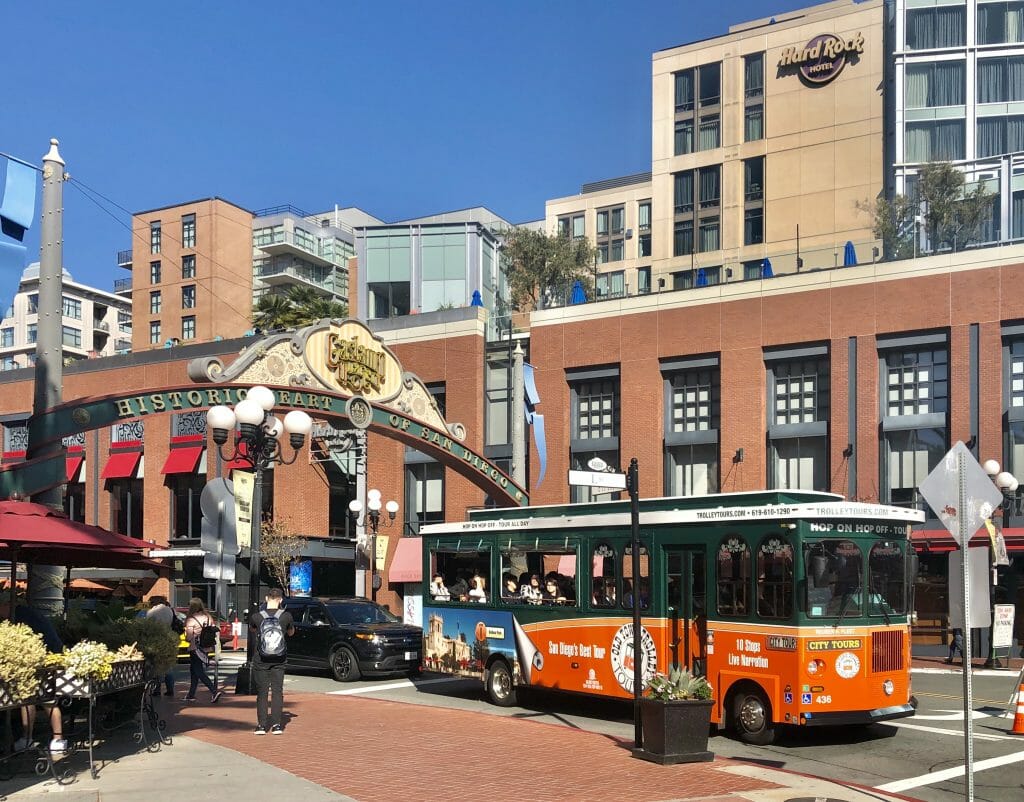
[(161, 612), (270, 627)]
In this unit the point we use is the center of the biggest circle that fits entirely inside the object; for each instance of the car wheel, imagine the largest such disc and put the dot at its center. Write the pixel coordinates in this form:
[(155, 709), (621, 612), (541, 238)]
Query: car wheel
[(500, 688), (344, 665), (752, 718)]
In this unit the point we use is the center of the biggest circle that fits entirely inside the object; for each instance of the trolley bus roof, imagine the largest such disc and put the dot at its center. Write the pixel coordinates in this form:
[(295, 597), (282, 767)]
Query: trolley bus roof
[(720, 508)]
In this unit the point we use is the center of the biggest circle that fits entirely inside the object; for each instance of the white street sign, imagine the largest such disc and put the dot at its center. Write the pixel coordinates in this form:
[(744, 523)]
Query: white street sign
[(941, 489), (611, 481)]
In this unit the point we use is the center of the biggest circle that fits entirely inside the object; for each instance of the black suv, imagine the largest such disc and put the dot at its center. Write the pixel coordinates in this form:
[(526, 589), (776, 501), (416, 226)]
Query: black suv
[(351, 636)]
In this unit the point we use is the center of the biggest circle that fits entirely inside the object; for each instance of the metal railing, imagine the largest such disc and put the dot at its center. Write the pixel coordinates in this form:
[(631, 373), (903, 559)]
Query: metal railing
[(124, 257), (122, 284)]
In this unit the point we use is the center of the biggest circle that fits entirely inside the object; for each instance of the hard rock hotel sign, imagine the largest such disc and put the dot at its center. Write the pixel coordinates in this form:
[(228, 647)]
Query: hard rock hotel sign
[(332, 370)]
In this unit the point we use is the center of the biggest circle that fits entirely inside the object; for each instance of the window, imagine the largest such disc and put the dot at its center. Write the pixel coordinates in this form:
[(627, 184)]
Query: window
[(941, 140), (752, 269), (733, 577), (188, 296), (188, 266), (603, 580), (388, 299), (610, 234), (799, 395), (424, 487), (887, 579), (32, 333), (188, 231), (458, 568), (188, 327), (643, 582), (186, 517), (154, 302), (1000, 23), (753, 179), (644, 216), (753, 75), (682, 238), (999, 135), (74, 501), (33, 303), (936, 83), (753, 226), (683, 137), (124, 321), (835, 571), (154, 332), (572, 225), (595, 423), (126, 506), (710, 186), (6, 338), (692, 408), (774, 578), (154, 237), (8, 363), (915, 381), (709, 235), (154, 272), (1013, 394), (643, 280), (710, 80), (539, 576), (71, 307), (683, 83), (610, 285), (71, 336), (682, 192), (753, 123), (945, 26), (709, 134)]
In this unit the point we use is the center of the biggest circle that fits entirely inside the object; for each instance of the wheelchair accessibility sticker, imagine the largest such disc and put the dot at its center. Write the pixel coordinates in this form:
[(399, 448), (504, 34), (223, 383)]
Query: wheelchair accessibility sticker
[(805, 698)]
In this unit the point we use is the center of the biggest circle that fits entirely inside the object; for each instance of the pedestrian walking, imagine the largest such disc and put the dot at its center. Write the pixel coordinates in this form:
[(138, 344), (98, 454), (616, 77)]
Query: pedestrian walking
[(956, 644), (161, 612), (199, 625), (270, 627)]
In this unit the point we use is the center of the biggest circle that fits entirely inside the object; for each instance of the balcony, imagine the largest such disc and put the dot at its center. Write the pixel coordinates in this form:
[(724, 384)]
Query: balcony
[(124, 259), (122, 345), (290, 276), (101, 326), (122, 285), (312, 249)]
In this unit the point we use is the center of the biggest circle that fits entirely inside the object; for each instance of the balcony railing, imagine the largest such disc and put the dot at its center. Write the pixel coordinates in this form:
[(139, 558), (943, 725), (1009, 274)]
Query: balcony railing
[(101, 325), (122, 345), (122, 285), (124, 258)]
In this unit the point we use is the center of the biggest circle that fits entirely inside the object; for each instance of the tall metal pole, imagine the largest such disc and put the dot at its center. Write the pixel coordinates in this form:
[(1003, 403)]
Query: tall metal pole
[(517, 414), (633, 484), (46, 582), (966, 639), (254, 550)]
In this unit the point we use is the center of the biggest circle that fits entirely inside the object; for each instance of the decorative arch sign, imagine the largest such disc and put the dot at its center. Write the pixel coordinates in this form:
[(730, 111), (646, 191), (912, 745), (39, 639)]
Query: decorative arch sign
[(332, 370), (822, 59)]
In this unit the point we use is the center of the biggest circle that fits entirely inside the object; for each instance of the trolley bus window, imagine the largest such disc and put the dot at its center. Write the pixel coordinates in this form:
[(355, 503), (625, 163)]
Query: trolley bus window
[(774, 578), (603, 580), (733, 572), (539, 576), (835, 571), (461, 572), (627, 577), (887, 579)]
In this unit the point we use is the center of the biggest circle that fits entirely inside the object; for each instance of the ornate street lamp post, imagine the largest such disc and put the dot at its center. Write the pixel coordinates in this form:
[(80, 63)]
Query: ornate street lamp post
[(1007, 484), (258, 445), (373, 521)]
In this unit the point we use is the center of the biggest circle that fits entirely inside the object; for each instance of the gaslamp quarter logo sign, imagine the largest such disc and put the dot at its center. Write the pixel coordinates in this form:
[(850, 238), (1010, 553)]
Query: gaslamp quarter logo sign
[(823, 58)]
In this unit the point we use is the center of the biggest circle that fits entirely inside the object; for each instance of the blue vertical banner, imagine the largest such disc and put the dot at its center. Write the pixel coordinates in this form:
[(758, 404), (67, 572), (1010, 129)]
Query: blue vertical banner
[(17, 209), (300, 577), (534, 419)]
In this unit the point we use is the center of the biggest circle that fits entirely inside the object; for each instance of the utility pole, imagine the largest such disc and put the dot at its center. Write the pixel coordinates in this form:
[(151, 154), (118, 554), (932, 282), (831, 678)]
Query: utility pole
[(46, 582)]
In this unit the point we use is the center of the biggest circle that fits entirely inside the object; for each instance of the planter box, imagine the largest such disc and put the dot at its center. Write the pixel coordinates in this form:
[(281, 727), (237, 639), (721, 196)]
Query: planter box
[(675, 732), (124, 674), (43, 693)]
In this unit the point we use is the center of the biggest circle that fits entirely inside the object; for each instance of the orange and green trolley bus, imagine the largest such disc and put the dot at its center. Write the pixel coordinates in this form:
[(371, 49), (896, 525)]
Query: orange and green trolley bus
[(795, 605)]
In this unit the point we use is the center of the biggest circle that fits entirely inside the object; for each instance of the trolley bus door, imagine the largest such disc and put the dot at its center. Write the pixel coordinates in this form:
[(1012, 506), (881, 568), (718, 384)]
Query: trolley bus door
[(685, 595)]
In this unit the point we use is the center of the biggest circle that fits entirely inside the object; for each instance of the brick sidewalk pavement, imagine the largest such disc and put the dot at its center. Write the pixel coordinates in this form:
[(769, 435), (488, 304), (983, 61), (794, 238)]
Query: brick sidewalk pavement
[(377, 751)]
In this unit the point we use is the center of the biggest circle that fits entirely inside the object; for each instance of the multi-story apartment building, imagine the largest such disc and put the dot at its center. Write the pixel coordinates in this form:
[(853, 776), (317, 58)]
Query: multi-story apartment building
[(191, 269), (766, 145), (94, 323), (292, 248), (957, 94)]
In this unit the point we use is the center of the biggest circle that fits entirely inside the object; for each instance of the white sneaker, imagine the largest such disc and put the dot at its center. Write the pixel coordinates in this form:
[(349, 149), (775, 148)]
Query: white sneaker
[(59, 745)]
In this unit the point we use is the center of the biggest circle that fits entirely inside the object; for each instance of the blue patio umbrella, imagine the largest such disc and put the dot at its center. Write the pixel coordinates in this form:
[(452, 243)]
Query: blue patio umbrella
[(849, 255), (702, 278), (766, 269), (476, 300), (578, 295)]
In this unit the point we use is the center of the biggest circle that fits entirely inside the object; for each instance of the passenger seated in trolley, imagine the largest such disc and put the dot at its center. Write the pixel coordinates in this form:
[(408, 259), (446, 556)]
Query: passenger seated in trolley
[(598, 596), (552, 594), (510, 590), (438, 591), (531, 590), (478, 590)]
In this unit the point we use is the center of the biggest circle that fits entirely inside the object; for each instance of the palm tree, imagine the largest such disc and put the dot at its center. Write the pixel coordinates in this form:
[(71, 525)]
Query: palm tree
[(309, 306), (273, 312)]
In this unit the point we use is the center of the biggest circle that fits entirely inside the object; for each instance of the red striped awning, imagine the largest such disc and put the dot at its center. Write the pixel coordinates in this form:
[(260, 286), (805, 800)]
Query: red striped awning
[(182, 460), (122, 465), (74, 463), (407, 564)]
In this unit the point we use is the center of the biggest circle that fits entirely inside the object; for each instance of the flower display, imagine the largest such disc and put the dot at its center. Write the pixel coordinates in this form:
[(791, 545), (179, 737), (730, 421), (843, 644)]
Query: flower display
[(679, 683), (22, 653), (85, 660)]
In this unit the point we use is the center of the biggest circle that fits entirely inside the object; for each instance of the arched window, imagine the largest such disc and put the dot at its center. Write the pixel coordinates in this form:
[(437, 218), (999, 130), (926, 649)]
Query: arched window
[(603, 577), (733, 576), (774, 578)]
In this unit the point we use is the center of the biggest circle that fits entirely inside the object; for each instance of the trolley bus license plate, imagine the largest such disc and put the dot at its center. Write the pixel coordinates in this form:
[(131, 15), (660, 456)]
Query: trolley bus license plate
[(412, 655)]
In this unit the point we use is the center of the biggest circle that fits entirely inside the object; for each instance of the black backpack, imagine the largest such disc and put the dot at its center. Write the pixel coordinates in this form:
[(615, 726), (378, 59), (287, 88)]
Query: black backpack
[(177, 624), (270, 643), (208, 635)]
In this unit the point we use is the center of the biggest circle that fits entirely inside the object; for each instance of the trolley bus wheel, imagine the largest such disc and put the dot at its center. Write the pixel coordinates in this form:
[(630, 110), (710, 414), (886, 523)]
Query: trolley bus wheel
[(500, 688), (344, 665), (752, 718)]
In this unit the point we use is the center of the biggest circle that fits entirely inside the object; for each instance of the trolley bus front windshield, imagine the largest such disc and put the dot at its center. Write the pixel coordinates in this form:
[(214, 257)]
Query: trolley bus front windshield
[(836, 585)]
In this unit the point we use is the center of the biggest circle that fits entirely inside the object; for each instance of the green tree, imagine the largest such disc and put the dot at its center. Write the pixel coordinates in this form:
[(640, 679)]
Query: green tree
[(952, 214), (535, 262), (300, 306), (272, 312)]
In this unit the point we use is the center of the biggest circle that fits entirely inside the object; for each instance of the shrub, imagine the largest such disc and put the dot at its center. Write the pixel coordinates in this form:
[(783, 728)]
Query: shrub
[(22, 653), (679, 683)]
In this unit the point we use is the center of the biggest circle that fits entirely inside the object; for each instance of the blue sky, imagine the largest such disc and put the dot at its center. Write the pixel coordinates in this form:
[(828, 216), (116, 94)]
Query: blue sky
[(400, 108)]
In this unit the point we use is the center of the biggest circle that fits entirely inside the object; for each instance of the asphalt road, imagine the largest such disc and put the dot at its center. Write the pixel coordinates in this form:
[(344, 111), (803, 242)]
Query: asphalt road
[(921, 757)]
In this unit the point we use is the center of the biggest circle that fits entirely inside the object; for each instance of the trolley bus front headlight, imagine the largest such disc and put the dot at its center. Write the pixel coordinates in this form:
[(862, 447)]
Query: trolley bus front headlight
[(889, 687), (815, 667)]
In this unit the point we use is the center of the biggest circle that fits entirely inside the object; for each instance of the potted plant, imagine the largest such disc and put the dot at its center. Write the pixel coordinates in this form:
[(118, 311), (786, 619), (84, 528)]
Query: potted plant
[(22, 654), (675, 718)]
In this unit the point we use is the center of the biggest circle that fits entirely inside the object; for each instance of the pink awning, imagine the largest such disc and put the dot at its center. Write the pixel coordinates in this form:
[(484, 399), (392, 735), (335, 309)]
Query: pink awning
[(407, 564)]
